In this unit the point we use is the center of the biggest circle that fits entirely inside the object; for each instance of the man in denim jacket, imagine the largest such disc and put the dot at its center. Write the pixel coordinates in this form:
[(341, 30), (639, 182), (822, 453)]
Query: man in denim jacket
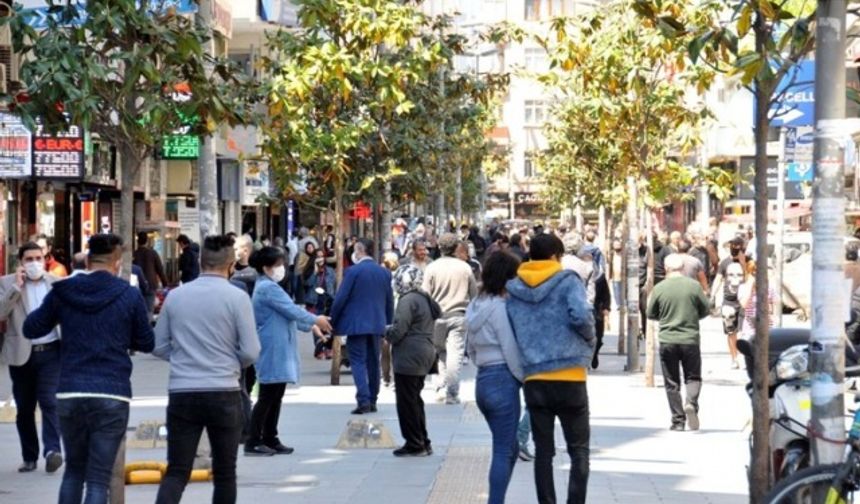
[(554, 327)]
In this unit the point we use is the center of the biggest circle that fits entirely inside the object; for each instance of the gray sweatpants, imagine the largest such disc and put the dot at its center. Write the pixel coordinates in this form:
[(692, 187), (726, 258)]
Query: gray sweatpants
[(453, 329)]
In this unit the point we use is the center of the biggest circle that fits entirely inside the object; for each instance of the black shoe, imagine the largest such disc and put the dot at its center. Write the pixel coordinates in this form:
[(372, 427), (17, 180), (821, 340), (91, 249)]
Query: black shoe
[(258, 451), (361, 410), (280, 449), (428, 448), (27, 467), (677, 427), (373, 408), (410, 452), (53, 461), (595, 361)]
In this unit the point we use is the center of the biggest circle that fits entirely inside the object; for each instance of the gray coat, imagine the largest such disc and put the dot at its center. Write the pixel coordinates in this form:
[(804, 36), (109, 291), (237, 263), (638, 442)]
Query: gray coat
[(411, 335)]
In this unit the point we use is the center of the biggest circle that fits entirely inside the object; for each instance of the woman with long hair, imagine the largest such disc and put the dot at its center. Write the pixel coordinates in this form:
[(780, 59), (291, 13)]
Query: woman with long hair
[(493, 349), (278, 320)]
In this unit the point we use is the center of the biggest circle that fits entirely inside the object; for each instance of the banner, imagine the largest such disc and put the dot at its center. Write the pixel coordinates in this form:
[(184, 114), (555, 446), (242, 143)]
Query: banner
[(60, 155), (15, 147)]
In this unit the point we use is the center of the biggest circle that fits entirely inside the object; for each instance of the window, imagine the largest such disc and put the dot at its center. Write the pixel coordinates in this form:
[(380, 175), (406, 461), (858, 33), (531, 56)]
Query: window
[(535, 59), (542, 10), (529, 166), (535, 112)]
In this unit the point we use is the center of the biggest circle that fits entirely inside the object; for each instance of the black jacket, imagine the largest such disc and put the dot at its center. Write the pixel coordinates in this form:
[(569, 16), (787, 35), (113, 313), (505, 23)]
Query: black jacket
[(189, 263), (411, 335)]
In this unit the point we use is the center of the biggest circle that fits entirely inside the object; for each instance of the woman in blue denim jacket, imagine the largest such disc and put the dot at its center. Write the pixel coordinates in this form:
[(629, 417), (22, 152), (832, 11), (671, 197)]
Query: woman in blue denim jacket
[(278, 320), (492, 347)]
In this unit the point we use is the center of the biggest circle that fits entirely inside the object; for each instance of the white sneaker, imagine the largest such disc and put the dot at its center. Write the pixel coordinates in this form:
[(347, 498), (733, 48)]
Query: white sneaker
[(692, 417), (735, 364)]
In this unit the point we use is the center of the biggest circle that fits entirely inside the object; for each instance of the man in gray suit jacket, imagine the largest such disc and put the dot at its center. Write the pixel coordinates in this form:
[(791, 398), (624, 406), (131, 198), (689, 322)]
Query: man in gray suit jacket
[(34, 365)]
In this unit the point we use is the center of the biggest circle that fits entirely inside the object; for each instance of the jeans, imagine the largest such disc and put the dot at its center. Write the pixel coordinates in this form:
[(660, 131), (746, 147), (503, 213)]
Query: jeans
[(267, 411), (188, 414), (36, 382), (568, 401), (688, 357), (93, 429), (524, 429), (616, 293), (497, 393), (150, 303), (410, 410), (363, 350), (451, 357)]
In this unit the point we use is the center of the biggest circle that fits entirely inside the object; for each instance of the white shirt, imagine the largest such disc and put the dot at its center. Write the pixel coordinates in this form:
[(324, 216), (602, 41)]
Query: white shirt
[(36, 292)]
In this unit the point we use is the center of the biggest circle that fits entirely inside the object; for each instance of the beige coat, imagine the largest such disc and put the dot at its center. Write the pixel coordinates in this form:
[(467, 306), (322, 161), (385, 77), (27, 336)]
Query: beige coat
[(15, 348)]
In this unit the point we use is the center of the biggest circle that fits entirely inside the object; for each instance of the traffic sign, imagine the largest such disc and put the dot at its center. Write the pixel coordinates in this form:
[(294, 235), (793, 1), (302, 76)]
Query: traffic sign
[(797, 106), (799, 143)]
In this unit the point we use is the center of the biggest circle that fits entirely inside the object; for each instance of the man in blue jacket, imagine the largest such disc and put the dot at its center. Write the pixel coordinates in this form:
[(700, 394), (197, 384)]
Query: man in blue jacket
[(102, 318), (362, 308)]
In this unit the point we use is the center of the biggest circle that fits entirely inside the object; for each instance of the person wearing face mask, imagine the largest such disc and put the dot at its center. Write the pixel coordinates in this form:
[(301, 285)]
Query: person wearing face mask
[(34, 365), (730, 275), (322, 277), (362, 308), (278, 320), (103, 317)]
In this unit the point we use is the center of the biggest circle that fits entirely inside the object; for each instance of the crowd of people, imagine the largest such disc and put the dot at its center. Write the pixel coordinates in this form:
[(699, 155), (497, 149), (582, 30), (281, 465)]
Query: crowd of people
[(527, 307)]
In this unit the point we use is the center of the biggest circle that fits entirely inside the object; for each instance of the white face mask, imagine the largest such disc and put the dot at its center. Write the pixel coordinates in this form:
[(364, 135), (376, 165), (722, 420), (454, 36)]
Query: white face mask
[(34, 270), (354, 258), (319, 261), (278, 273)]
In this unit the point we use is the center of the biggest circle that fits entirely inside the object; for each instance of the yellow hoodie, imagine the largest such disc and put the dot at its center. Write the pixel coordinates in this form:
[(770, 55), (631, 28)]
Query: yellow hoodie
[(534, 273)]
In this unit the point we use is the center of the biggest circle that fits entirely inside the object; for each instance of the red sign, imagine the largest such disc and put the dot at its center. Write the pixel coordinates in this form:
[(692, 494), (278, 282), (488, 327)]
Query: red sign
[(360, 210)]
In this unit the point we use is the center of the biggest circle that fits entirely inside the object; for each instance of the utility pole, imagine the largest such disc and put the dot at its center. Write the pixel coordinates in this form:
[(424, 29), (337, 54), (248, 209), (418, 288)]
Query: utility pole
[(827, 347), (207, 203), (632, 297)]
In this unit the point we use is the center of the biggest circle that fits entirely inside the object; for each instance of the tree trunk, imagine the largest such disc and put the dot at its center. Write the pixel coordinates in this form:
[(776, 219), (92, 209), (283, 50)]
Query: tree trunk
[(622, 303), (338, 232), (385, 227), (130, 168), (650, 337), (759, 474), (632, 281)]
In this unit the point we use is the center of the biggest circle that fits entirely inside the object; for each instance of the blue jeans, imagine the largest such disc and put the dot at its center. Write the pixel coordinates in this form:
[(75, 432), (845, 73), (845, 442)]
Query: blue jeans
[(36, 382), (524, 429), (497, 393), (93, 428), (363, 350)]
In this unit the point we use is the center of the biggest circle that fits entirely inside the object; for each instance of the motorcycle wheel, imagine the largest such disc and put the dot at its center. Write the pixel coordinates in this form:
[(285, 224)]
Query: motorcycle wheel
[(810, 486)]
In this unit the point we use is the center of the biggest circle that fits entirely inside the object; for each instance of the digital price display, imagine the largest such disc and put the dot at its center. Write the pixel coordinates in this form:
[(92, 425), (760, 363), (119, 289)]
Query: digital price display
[(180, 147), (60, 155)]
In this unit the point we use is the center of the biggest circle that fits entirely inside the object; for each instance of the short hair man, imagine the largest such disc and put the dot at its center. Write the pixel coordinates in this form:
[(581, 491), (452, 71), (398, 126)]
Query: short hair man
[(52, 266), (189, 260), (34, 366), (208, 344), (692, 267), (451, 283), (554, 327), (420, 257), (678, 303), (103, 318), (362, 307), (244, 275), (150, 264)]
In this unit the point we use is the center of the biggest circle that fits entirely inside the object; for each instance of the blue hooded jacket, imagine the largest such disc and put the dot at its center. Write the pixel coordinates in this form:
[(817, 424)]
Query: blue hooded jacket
[(552, 322), (102, 318)]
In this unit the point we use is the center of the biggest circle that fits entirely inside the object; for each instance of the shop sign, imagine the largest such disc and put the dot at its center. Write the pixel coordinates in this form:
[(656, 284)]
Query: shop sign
[(15, 147), (282, 12), (222, 18), (189, 221), (255, 179), (60, 155), (180, 147), (528, 198)]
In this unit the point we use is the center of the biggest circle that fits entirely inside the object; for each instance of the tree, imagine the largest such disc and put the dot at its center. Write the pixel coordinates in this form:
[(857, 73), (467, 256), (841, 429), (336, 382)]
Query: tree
[(760, 42), (129, 71), (625, 109)]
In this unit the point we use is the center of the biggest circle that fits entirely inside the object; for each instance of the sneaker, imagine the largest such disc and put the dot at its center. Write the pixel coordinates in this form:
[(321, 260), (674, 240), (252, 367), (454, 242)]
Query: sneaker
[(452, 400), (361, 410), (525, 454), (441, 395), (692, 417), (373, 408), (735, 364), (259, 450), (53, 461), (410, 452), (27, 467), (428, 448), (676, 427), (280, 449)]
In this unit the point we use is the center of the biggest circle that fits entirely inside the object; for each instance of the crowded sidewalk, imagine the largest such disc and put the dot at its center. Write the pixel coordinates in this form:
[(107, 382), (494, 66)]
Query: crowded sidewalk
[(635, 458)]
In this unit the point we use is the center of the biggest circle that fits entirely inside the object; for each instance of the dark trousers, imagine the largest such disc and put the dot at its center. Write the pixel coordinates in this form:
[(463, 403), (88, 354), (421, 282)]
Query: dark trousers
[(93, 429), (220, 413), (568, 401), (689, 358), (36, 382), (267, 411), (246, 384), (363, 350), (410, 410)]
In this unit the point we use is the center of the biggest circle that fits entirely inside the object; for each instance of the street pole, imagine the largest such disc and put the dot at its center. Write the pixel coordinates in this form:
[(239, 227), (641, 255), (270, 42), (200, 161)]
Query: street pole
[(632, 296), (207, 203), (827, 347)]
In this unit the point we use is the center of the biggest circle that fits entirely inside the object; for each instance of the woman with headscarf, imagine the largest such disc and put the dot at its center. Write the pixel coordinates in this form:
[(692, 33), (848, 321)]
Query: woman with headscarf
[(413, 353)]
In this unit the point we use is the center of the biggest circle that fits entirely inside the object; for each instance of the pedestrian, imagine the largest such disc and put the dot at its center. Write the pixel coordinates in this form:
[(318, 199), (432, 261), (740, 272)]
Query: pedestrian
[(278, 320), (362, 307), (329, 246), (747, 300), (52, 265), (305, 269), (450, 282), (554, 327), (419, 256), (678, 303), (391, 262), (207, 344), (693, 267), (413, 355), (517, 247), (730, 276), (150, 263), (616, 272), (492, 347), (103, 318), (465, 252), (500, 242), (34, 366), (189, 259), (244, 275), (322, 278)]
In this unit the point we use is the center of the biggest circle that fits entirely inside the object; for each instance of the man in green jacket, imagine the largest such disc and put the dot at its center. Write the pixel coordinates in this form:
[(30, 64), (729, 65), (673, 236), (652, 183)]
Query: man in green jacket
[(678, 303)]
